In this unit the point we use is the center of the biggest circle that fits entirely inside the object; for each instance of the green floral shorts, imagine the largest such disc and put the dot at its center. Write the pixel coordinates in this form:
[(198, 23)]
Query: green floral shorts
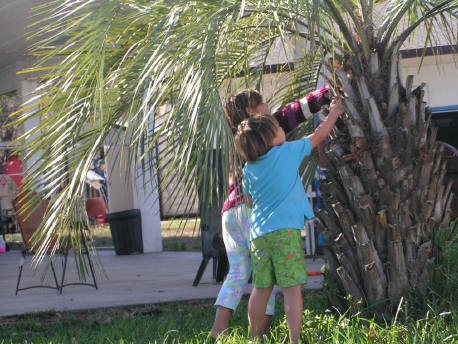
[(278, 259)]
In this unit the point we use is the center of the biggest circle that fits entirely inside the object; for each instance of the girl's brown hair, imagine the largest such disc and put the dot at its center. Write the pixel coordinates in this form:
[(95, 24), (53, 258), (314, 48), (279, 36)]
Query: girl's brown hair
[(235, 107), (254, 136)]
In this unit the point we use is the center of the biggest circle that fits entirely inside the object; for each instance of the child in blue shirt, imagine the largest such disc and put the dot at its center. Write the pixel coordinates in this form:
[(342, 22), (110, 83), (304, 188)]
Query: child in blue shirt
[(272, 184)]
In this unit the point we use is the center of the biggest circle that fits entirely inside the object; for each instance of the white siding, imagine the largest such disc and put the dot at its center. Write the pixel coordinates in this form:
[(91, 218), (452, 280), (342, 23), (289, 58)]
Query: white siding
[(440, 73)]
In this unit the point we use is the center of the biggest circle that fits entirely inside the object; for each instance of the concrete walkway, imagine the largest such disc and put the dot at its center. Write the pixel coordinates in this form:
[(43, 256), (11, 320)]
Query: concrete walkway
[(132, 280)]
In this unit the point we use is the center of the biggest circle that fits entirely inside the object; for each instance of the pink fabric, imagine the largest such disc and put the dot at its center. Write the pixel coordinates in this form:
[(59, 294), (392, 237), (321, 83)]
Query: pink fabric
[(234, 198), (290, 116), (318, 98)]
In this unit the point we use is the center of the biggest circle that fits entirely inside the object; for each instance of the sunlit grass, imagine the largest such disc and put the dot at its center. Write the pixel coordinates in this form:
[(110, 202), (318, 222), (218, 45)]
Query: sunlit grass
[(190, 322), (177, 235)]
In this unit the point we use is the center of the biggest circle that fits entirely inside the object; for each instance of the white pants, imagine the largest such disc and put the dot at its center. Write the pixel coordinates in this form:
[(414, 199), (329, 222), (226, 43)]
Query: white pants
[(236, 236)]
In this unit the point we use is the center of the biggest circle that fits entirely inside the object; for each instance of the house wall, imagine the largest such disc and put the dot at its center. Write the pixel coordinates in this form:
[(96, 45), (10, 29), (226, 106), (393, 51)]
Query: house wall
[(127, 191), (146, 198), (440, 73), (173, 201), (8, 79), (119, 184)]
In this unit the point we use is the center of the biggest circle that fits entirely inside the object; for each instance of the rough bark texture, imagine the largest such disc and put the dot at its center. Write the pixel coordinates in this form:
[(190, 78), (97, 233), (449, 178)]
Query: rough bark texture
[(385, 193)]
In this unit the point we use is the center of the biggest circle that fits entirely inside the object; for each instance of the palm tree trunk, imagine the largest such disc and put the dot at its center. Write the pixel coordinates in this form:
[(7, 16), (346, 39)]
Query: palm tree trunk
[(384, 194)]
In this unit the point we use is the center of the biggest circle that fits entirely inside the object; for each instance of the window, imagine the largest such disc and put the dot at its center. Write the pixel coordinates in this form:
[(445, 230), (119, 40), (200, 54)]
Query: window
[(446, 120)]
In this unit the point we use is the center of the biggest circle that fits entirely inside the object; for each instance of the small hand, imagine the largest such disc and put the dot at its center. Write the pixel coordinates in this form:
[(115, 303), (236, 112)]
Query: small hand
[(336, 107)]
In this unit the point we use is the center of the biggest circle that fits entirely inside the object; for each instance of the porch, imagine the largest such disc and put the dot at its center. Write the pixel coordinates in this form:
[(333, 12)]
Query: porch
[(132, 280)]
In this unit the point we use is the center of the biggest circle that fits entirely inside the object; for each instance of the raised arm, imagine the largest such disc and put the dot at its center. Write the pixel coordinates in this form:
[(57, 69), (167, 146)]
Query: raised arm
[(323, 130), (301, 110)]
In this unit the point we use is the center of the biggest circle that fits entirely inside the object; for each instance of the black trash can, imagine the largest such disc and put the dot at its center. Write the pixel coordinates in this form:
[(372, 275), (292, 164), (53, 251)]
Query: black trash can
[(126, 231)]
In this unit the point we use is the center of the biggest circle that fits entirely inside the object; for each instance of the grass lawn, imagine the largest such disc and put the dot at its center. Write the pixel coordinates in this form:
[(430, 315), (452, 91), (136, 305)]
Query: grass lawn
[(180, 236), (176, 236), (190, 322)]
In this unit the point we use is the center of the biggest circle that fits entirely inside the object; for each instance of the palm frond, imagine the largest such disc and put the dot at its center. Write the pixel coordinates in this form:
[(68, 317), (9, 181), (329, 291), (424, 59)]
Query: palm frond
[(107, 68)]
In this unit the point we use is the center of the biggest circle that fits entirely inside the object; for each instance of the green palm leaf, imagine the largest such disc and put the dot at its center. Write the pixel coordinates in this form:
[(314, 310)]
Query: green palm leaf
[(106, 68)]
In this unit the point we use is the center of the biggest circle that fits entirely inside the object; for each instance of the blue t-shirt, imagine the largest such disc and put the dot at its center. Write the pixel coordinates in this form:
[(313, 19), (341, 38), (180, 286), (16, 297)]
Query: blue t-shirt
[(279, 198)]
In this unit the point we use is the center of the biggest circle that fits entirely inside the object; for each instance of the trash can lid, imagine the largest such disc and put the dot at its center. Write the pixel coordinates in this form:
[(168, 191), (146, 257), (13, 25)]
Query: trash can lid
[(122, 214)]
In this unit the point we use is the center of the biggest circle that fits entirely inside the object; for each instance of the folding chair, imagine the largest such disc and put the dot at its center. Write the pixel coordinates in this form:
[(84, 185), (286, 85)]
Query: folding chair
[(82, 227), (211, 227), (89, 260), (28, 224)]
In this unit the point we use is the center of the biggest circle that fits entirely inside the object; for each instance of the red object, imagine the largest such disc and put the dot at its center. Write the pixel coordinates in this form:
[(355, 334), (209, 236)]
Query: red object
[(96, 206), (13, 167), (314, 273), (100, 219)]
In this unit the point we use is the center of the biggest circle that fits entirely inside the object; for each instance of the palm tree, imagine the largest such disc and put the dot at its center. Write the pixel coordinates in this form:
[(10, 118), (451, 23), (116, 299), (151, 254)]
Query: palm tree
[(385, 195), (106, 67)]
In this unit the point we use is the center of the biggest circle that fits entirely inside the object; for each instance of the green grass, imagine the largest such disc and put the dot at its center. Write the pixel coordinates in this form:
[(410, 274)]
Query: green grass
[(177, 235), (190, 322)]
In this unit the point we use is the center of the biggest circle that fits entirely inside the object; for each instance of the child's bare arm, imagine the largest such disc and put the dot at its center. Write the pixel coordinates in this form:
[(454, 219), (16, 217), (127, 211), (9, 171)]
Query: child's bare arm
[(323, 130), (248, 201)]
